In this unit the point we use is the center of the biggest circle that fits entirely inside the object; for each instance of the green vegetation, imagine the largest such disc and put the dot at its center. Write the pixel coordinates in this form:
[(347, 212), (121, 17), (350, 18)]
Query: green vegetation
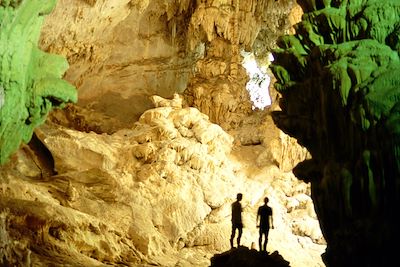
[(30, 80), (339, 77)]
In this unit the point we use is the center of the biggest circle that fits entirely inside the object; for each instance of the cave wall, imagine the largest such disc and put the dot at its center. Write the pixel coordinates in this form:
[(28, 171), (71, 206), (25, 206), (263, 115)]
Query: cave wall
[(339, 80), (121, 52), (92, 201), (218, 86), (156, 194), (30, 79)]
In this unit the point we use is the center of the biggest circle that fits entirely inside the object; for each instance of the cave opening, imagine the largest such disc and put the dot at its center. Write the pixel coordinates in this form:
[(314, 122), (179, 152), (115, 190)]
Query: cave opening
[(259, 80)]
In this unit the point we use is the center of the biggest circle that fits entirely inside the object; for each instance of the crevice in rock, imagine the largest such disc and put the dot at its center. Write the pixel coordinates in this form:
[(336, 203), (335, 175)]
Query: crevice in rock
[(42, 157)]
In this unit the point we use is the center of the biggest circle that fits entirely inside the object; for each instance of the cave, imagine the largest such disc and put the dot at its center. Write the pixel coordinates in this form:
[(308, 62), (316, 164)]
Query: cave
[(128, 127)]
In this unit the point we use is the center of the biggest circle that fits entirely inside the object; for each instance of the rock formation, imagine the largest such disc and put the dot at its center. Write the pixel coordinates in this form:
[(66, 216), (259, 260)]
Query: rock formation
[(122, 52), (243, 257), (142, 171), (218, 86), (30, 79), (339, 80), (153, 194)]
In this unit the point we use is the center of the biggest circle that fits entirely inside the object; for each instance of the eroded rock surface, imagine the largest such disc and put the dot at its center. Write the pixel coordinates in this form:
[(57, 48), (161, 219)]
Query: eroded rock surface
[(157, 193), (122, 52), (90, 189)]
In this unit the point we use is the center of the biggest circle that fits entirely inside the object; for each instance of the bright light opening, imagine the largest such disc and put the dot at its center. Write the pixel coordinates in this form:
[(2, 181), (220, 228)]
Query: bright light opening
[(259, 80)]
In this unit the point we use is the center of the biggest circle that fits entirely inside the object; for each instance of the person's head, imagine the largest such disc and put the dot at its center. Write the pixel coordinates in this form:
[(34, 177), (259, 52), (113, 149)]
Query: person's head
[(266, 199), (239, 196)]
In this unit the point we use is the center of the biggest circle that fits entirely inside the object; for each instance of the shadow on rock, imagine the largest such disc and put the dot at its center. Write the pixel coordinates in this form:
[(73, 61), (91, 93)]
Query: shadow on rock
[(244, 257)]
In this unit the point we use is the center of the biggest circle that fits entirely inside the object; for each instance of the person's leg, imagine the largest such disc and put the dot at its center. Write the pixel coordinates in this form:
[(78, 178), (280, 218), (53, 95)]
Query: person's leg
[(260, 240), (239, 236), (266, 238), (232, 235)]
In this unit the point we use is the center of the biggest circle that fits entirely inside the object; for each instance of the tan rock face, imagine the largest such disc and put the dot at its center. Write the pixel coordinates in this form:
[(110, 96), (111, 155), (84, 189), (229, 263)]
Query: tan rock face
[(143, 185), (121, 52), (149, 194)]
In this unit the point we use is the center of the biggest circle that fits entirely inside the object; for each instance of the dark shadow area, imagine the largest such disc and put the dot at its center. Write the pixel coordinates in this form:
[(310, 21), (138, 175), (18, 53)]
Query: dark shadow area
[(42, 157), (245, 257)]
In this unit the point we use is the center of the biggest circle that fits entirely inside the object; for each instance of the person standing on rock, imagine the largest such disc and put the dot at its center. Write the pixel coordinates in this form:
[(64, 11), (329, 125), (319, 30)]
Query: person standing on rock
[(264, 221), (237, 219)]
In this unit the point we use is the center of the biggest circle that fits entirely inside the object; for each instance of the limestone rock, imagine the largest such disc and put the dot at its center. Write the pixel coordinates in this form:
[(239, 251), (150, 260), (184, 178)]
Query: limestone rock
[(158, 101), (147, 194), (84, 119), (122, 52), (121, 184)]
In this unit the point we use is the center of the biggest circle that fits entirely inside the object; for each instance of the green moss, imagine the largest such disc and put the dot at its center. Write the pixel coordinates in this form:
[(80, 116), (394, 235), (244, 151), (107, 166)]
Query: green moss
[(339, 76), (31, 80)]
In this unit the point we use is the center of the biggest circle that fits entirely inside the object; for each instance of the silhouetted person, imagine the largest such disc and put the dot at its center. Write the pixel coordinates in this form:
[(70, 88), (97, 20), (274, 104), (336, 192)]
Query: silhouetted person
[(237, 219), (265, 215)]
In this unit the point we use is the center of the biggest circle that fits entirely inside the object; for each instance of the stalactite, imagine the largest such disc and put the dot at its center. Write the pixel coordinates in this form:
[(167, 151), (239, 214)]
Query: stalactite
[(235, 41)]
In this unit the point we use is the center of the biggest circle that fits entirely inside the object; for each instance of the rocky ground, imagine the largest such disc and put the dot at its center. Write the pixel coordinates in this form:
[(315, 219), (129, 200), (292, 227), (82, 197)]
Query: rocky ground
[(158, 193)]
